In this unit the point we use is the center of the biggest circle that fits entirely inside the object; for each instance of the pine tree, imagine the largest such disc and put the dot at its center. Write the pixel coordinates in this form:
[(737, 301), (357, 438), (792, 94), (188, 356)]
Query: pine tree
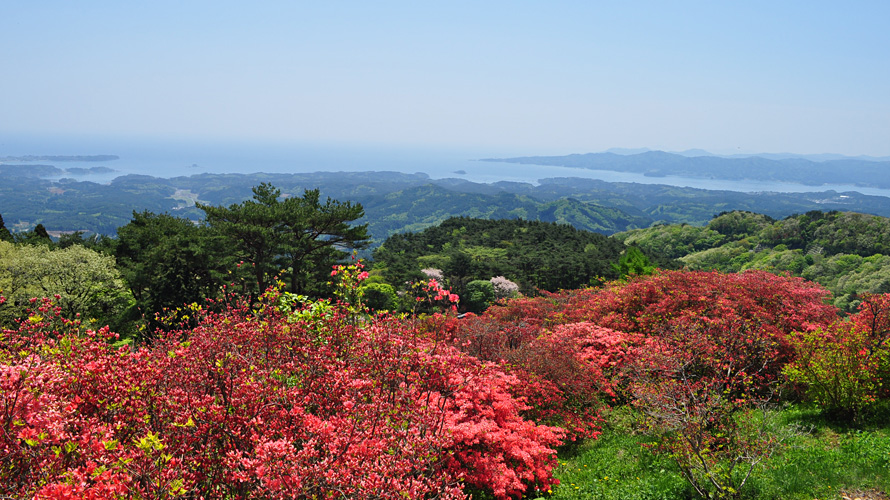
[(300, 234), (5, 235)]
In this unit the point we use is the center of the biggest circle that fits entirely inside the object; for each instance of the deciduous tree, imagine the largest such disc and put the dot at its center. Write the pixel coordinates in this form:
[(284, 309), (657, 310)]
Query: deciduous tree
[(82, 281)]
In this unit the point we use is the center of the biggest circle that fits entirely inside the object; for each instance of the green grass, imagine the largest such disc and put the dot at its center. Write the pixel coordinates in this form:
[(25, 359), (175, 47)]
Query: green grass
[(819, 462), (832, 457), (617, 466)]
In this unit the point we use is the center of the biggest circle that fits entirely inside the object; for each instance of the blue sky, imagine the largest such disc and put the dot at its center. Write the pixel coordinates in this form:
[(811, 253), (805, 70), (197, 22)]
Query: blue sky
[(524, 77)]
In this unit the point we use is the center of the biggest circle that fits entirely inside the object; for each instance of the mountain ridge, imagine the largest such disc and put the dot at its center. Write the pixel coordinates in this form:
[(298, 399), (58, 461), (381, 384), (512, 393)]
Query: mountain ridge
[(654, 163)]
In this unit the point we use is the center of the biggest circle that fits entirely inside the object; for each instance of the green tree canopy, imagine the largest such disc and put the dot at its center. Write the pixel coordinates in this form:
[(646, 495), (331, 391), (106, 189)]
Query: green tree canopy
[(535, 255), (478, 295), (86, 282), (301, 234), (168, 261), (633, 263)]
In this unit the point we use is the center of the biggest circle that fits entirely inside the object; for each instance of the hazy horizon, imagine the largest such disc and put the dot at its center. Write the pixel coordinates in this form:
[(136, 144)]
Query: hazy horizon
[(22, 144), (511, 78)]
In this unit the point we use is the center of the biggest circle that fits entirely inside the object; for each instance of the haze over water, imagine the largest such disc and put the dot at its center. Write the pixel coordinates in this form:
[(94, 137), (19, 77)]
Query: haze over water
[(171, 158)]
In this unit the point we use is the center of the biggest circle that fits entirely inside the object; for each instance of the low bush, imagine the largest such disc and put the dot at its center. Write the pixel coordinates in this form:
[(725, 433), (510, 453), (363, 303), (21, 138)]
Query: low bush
[(844, 368)]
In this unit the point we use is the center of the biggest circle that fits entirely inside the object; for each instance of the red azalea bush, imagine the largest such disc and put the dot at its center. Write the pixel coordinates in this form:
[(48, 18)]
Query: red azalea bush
[(710, 351), (258, 404), (747, 315), (543, 311), (569, 375), (874, 318), (646, 304), (565, 373), (710, 348)]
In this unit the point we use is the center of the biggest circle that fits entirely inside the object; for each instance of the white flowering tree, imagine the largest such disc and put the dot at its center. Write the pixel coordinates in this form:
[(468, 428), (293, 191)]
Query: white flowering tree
[(504, 288)]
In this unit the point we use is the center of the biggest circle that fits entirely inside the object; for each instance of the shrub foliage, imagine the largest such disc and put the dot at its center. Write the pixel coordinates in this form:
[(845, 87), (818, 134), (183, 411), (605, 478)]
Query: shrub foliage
[(286, 397)]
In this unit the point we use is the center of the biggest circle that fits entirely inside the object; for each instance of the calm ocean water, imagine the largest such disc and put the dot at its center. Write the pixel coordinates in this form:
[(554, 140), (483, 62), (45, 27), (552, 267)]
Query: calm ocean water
[(171, 158)]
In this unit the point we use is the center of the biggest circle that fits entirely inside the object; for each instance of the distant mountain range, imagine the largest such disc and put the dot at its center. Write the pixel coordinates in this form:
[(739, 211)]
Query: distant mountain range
[(812, 170), (769, 156)]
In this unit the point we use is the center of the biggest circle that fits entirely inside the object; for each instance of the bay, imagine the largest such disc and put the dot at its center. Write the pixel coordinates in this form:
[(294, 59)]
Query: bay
[(169, 158)]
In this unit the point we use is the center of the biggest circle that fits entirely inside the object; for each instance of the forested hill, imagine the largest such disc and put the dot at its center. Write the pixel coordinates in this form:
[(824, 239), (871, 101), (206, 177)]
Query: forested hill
[(660, 164), (396, 202), (536, 255), (847, 252)]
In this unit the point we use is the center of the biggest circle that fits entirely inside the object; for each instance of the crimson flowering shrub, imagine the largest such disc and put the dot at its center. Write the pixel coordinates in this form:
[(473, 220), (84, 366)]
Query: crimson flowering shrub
[(845, 368), (708, 353), (488, 339), (261, 404), (429, 296), (748, 315), (348, 278), (493, 449), (565, 372), (645, 304), (874, 319), (569, 374), (543, 311)]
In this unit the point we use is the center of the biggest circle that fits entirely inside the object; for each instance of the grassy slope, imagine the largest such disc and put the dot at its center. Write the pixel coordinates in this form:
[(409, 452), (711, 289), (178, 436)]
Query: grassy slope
[(823, 460)]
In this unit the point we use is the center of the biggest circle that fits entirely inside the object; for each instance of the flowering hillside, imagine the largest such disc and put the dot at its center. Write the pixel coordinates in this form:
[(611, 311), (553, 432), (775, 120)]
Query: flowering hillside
[(286, 398)]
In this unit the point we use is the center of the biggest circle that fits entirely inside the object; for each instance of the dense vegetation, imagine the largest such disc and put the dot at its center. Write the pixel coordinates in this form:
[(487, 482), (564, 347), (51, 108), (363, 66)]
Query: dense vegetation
[(397, 203), (849, 253), (250, 368), (282, 399), (168, 262), (536, 255)]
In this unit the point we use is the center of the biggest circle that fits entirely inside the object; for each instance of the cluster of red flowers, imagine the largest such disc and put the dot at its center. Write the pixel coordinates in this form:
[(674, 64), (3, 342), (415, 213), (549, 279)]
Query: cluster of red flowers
[(271, 403), (438, 292), (254, 404)]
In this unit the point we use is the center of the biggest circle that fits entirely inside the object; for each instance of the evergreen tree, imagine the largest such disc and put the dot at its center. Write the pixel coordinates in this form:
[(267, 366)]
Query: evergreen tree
[(40, 232), (168, 261), (37, 236), (478, 295), (5, 235), (633, 263), (300, 234)]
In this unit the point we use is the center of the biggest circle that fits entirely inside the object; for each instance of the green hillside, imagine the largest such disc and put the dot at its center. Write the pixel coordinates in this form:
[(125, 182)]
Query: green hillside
[(396, 202), (847, 252)]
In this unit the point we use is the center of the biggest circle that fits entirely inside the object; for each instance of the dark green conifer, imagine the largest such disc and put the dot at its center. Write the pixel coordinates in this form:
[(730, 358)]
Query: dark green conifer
[(5, 235)]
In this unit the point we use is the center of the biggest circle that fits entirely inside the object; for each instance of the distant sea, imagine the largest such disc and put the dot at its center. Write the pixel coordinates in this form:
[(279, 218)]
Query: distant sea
[(172, 158)]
